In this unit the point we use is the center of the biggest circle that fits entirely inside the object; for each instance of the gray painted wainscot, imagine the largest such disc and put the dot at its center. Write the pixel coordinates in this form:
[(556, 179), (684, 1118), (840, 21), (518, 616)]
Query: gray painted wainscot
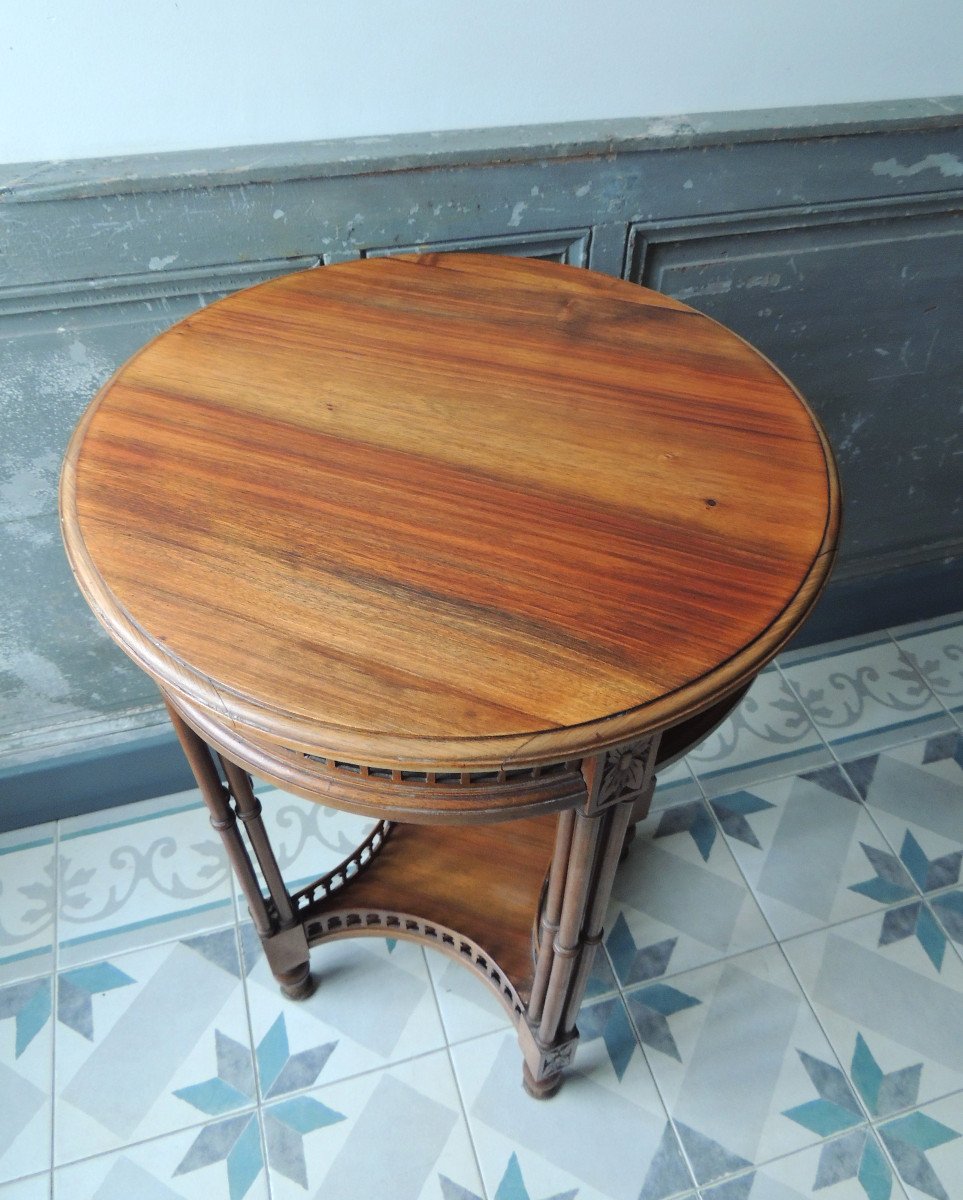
[(824, 236)]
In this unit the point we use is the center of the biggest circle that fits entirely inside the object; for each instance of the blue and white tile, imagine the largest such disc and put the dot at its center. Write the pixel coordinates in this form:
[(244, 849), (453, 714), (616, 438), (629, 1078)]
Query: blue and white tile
[(27, 902), (141, 874), (862, 695), (915, 794), (679, 899), (397, 1132), (889, 994), (768, 735), (851, 1167), (26, 1069), (468, 1006), (926, 1146), (674, 785), (150, 1042), (742, 1065), (604, 1136), (948, 907), (935, 649), (373, 1006), (308, 839), (223, 1159), (811, 853), (36, 1187)]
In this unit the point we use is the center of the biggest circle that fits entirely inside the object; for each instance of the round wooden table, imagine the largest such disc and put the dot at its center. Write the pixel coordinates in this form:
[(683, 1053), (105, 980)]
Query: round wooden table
[(467, 544)]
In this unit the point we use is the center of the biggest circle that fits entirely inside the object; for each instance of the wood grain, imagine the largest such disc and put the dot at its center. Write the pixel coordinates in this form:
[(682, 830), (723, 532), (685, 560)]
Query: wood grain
[(449, 510)]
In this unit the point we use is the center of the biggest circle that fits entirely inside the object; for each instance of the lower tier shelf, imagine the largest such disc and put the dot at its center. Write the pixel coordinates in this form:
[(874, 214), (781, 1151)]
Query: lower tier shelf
[(482, 883)]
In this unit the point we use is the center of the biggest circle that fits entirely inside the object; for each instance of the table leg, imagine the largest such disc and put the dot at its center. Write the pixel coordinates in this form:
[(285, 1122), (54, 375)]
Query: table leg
[(281, 932), (588, 844)]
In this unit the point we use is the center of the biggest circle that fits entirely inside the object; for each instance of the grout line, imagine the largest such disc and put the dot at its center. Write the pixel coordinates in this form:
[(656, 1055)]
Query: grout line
[(887, 1157), (877, 1121), (809, 716), (822, 1029), (263, 1136), (255, 1066), (670, 1119), (907, 661), (454, 1075), (905, 656), (250, 1109), (166, 940)]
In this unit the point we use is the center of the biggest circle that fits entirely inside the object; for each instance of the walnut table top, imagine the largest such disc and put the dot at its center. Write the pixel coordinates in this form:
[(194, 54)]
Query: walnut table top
[(449, 511)]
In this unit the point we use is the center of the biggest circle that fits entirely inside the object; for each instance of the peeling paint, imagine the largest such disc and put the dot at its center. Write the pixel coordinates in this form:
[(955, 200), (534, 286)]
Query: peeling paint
[(583, 190), (948, 165), (718, 287), (278, 214), (159, 264), (688, 184), (516, 218)]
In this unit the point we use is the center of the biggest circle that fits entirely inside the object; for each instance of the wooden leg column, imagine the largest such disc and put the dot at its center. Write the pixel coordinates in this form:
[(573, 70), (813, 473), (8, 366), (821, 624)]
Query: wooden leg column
[(587, 848), (282, 936), (287, 948)]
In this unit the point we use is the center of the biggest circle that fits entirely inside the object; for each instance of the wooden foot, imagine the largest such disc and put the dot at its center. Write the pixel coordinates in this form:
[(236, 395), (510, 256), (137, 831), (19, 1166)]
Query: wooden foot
[(542, 1089), (297, 984)]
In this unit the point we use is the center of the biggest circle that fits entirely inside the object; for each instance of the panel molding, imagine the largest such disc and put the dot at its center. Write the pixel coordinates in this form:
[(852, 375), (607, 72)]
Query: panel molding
[(159, 285), (645, 238), (569, 246)]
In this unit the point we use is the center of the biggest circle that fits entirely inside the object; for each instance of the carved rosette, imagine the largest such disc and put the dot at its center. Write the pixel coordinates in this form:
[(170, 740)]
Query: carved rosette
[(619, 775)]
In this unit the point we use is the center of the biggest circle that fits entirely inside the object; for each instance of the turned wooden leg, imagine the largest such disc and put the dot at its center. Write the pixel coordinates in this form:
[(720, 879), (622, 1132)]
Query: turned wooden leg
[(588, 843), (282, 936)]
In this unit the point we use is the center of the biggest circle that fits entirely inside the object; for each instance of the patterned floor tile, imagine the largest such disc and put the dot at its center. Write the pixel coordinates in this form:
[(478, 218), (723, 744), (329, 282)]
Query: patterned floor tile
[(915, 794), (948, 907), (468, 1008), (138, 875), (741, 1063), (926, 1146), (810, 851), (935, 649), (768, 735), (863, 695), (223, 1159), (679, 899), (851, 1167), (308, 838), (37, 1187), (373, 1006), (603, 1137), (398, 1132), (150, 1042), (889, 995), (26, 1067), (27, 902), (675, 785)]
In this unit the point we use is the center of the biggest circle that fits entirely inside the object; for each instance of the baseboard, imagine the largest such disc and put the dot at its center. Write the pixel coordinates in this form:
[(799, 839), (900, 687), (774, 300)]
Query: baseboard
[(852, 605), (93, 779)]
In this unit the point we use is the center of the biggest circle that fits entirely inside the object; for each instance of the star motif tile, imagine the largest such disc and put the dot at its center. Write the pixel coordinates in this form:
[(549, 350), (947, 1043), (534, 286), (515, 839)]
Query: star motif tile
[(865, 982), (926, 1147), (810, 851), (914, 793), (178, 1012), (679, 899)]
